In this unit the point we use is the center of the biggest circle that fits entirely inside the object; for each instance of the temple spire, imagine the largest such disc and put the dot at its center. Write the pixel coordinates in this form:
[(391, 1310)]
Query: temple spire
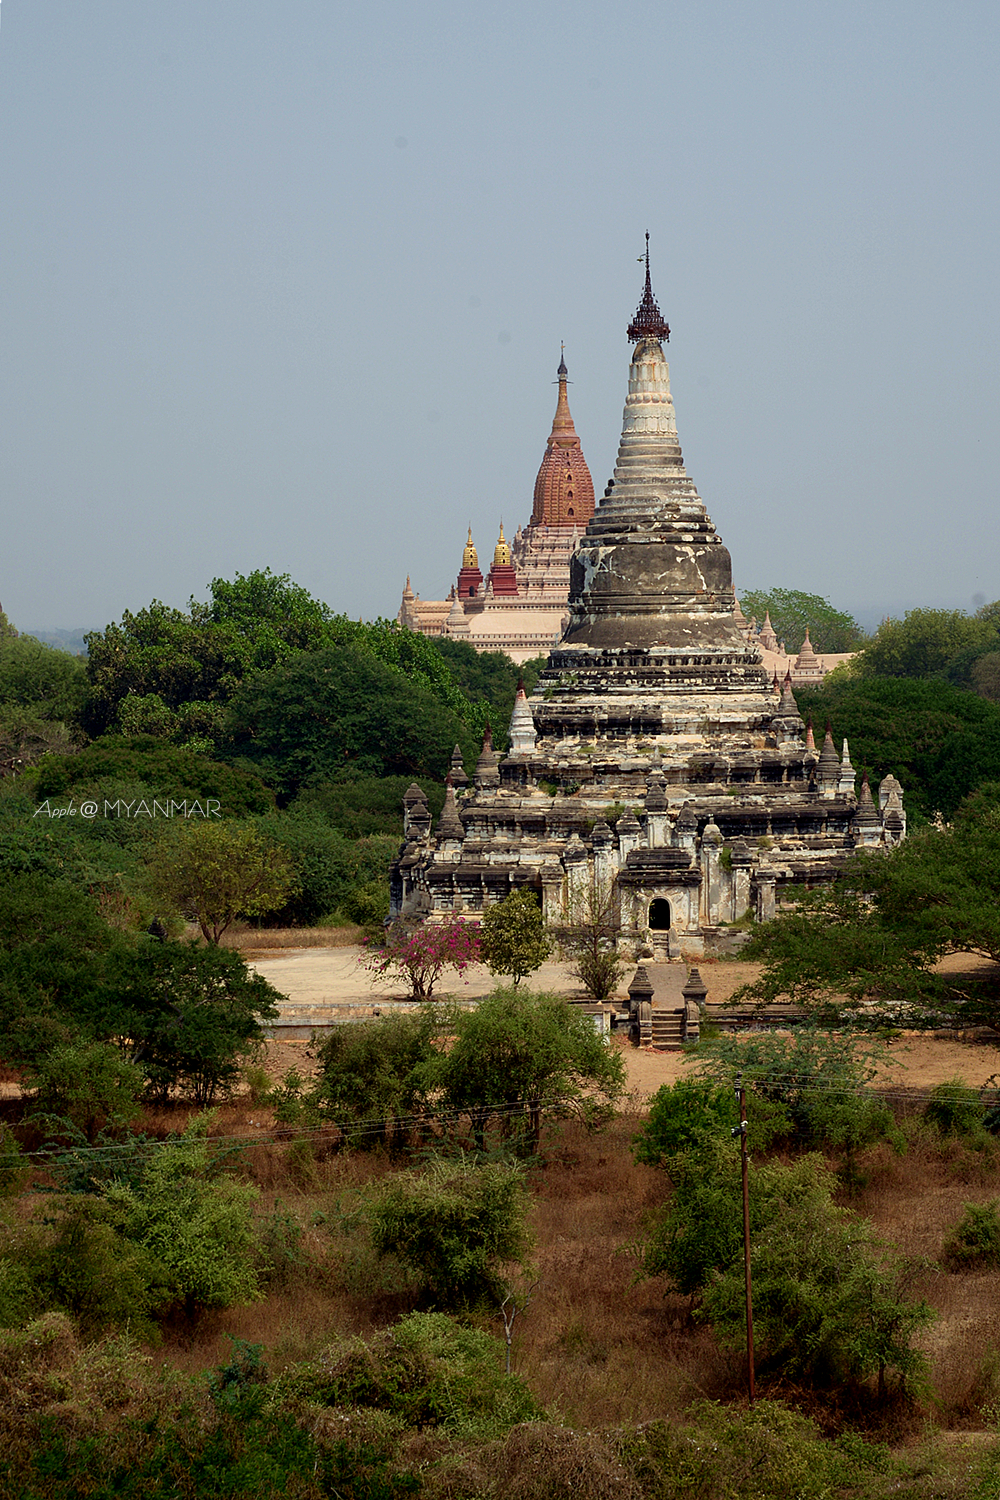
[(564, 490), (648, 322)]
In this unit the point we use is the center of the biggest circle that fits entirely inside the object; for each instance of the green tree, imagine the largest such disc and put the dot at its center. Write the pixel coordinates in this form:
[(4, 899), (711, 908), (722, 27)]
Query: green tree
[(458, 1226), (831, 1302), (162, 771), (524, 1053), (868, 947), (364, 806), (941, 743), (378, 1075), (42, 692), (216, 872), (269, 613), (332, 871), (51, 683), (929, 643), (489, 680), (161, 655), (819, 1081), (693, 1112), (53, 951), (792, 612), (985, 676), (512, 936), (192, 1016), (341, 713)]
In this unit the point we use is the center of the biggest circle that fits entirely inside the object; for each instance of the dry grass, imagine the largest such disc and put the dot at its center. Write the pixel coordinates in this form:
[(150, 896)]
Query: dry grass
[(255, 942), (598, 1346), (914, 1200)]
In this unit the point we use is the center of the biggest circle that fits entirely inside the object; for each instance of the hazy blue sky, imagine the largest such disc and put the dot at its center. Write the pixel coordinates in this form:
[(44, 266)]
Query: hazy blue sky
[(284, 284)]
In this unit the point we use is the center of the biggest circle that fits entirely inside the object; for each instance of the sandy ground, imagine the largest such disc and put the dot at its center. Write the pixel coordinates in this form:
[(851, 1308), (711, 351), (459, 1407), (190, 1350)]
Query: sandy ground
[(318, 979)]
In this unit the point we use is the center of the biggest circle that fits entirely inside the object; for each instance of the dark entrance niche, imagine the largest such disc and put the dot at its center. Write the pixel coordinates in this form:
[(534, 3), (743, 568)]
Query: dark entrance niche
[(659, 915)]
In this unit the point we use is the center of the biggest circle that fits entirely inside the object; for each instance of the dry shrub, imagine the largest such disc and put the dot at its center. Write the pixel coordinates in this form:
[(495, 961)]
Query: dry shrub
[(107, 1390), (537, 1461)]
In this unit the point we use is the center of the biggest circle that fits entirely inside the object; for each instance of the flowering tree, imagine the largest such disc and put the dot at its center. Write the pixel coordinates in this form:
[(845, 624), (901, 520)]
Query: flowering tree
[(420, 954)]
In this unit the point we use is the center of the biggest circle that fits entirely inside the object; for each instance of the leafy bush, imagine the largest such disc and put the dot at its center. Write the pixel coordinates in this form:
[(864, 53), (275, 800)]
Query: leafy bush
[(820, 1079), (975, 1239), (377, 1072), (956, 1109), (76, 1264), (329, 866), (691, 1113), (367, 905), (87, 1084), (456, 1225), (524, 1053), (105, 1421), (765, 1453), (194, 1220), (426, 1371), (245, 1368), (831, 1302)]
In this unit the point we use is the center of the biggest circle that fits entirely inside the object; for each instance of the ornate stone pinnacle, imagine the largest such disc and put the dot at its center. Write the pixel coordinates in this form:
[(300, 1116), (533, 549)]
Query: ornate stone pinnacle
[(648, 322)]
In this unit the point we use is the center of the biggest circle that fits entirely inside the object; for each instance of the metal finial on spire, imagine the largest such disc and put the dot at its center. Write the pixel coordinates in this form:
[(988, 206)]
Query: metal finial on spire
[(562, 370), (648, 322)]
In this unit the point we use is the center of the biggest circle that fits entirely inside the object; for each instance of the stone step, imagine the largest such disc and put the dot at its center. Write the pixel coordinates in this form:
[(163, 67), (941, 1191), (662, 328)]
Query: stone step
[(668, 1030)]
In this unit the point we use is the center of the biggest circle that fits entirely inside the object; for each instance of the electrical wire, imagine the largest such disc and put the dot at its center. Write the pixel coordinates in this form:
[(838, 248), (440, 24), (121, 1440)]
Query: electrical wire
[(377, 1125)]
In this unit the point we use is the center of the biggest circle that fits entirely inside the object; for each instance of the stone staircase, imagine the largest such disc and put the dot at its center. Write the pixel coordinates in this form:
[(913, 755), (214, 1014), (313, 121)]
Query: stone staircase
[(668, 1030)]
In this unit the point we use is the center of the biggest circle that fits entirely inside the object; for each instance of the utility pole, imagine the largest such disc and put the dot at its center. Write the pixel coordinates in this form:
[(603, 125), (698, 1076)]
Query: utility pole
[(741, 1131)]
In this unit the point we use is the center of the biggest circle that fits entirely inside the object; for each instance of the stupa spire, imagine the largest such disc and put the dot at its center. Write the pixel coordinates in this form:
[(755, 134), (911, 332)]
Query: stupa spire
[(564, 490), (648, 322)]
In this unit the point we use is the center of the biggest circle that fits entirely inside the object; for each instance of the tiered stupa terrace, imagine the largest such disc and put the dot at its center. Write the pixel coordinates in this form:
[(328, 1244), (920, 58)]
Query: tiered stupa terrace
[(655, 764)]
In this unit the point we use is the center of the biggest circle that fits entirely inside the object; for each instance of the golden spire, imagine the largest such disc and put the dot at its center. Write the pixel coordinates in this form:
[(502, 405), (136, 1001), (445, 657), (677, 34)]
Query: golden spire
[(501, 552), (470, 558)]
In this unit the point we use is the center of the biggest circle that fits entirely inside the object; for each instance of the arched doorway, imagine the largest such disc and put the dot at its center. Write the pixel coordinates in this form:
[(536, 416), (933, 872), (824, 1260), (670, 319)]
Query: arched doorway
[(659, 915)]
